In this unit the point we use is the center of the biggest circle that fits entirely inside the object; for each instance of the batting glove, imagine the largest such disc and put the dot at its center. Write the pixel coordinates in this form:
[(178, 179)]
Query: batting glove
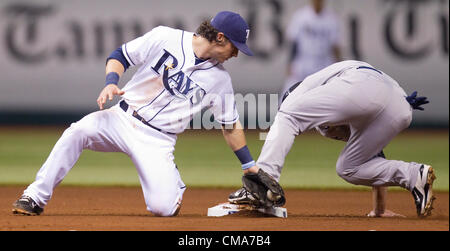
[(416, 102)]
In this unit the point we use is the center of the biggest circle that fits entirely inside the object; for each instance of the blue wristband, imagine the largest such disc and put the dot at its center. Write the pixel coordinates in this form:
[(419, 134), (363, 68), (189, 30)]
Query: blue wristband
[(112, 78), (245, 157), (248, 165)]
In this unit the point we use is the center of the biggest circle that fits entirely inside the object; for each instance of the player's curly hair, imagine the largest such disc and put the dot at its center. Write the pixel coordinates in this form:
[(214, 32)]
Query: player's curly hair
[(207, 31)]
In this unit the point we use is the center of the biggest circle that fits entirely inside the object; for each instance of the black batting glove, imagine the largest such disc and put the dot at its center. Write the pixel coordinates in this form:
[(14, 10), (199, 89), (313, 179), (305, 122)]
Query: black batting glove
[(416, 102)]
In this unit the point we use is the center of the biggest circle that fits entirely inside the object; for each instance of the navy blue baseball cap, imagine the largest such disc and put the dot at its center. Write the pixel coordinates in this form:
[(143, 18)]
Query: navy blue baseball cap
[(235, 29)]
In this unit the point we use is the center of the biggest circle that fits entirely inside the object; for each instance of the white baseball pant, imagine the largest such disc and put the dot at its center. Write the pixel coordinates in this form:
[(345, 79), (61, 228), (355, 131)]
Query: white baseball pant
[(113, 130)]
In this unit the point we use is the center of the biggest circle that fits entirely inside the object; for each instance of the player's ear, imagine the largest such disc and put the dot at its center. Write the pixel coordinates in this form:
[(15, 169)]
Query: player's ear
[(220, 38)]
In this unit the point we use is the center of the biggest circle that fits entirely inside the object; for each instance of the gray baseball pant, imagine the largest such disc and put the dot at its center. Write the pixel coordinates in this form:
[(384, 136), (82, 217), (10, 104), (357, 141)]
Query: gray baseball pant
[(372, 106)]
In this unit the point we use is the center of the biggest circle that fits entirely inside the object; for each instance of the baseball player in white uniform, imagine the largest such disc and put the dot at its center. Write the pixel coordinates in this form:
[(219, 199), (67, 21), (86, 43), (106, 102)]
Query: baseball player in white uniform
[(313, 33), (357, 103), (180, 73)]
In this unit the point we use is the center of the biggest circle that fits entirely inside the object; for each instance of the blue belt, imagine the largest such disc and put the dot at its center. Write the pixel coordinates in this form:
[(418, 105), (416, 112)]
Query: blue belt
[(125, 106), (369, 68)]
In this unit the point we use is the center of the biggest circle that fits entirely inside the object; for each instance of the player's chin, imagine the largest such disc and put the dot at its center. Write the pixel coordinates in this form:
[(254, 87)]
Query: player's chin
[(224, 58)]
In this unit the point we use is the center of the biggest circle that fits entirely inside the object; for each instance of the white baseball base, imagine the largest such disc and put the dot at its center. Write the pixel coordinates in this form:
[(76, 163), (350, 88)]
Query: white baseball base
[(228, 208)]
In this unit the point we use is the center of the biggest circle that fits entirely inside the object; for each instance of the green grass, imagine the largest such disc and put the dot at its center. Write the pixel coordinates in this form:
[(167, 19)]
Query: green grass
[(204, 159)]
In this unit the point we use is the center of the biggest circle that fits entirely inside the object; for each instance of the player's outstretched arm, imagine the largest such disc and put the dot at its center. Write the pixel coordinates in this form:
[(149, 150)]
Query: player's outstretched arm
[(257, 182), (235, 139), (379, 204), (114, 69)]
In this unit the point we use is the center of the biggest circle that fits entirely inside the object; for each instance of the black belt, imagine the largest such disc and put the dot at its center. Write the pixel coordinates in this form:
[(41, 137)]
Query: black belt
[(369, 68), (291, 89), (125, 106)]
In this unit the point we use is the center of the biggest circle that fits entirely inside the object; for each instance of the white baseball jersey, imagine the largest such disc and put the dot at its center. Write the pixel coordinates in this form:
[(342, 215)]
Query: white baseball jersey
[(315, 35), (169, 87)]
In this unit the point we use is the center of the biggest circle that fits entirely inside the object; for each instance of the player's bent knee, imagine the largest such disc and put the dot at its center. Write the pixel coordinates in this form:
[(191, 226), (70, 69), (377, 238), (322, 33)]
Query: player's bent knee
[(343, 175), (163, 211), (345, 171), (164, 208), (347, 176)]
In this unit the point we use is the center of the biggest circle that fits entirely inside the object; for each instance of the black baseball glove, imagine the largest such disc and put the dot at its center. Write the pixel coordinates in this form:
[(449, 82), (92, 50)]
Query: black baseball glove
[(259, 184)]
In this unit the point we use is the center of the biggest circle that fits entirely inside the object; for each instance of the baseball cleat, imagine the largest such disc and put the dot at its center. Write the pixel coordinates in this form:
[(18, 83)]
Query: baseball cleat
[(423, 191), (26, 206), (241, 196), (177, 211)]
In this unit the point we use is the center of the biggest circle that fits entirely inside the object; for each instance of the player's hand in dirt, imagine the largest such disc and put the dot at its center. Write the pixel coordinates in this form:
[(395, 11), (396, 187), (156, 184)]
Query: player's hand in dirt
[(108, 93), (385, 214)]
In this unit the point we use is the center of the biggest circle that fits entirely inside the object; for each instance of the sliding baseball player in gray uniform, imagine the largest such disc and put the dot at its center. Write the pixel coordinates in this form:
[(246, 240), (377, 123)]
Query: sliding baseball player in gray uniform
[(357, 103)]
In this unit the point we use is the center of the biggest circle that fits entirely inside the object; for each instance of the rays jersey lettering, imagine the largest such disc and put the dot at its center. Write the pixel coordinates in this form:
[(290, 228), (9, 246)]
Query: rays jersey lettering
[(169, 88), (178, 84)]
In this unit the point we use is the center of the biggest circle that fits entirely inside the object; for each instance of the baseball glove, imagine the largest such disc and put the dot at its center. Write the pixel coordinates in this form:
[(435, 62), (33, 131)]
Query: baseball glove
[(264, 188)]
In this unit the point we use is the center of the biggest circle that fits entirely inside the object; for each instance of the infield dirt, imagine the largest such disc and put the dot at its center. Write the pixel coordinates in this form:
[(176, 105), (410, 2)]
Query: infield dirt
[(123, 208)]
